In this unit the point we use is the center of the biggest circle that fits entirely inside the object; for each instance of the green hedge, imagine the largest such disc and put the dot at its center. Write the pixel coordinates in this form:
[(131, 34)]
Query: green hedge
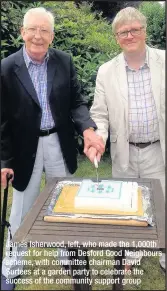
[(156, 23), (88, 40)]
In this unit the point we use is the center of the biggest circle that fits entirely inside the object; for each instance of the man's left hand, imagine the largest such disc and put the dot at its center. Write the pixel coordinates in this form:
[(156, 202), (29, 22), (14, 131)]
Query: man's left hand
[(91, 139)]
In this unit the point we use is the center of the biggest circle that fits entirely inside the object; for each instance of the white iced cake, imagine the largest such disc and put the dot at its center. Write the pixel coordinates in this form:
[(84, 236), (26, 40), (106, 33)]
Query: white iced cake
[(113, 195)]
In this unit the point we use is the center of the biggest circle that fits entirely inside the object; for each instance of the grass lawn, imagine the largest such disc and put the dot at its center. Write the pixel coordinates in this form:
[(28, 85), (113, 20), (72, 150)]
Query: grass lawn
[(152, 279)]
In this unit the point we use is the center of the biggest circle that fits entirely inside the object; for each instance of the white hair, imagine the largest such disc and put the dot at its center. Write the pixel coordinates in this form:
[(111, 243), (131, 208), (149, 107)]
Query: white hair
[(128, 14), (38, 10)]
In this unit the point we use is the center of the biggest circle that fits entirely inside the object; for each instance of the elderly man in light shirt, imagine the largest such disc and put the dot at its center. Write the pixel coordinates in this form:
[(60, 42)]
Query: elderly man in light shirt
[(129, 103)]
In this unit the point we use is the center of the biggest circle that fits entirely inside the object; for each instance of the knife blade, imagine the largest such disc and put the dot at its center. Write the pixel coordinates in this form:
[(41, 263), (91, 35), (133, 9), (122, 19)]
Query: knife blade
[(97, 174)]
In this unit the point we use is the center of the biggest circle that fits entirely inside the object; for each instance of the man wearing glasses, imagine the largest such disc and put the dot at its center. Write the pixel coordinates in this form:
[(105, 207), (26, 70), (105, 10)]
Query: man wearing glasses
[(129, 103), (41, 103)]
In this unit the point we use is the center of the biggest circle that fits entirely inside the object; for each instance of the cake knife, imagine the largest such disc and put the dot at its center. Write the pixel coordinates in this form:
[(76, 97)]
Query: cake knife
[(96, 167)]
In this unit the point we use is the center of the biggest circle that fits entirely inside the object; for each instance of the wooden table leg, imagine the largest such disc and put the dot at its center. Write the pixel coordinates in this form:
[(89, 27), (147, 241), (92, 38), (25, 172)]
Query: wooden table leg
[(118, 285), (81, 286)]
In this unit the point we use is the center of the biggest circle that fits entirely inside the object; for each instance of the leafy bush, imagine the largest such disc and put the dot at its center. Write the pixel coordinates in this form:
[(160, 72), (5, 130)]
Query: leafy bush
[(88, 40), (156, 24)]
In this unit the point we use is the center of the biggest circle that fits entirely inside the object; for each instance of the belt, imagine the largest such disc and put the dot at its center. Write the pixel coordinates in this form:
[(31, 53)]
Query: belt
[(45, 132), (143, 145)]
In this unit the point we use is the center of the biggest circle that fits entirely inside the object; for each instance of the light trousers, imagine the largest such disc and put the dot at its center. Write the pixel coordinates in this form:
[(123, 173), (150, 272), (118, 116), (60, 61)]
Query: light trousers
[(145, 163), (49, 159)]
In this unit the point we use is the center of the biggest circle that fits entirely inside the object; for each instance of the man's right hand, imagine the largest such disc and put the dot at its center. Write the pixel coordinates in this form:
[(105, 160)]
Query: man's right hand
[(4, 172)]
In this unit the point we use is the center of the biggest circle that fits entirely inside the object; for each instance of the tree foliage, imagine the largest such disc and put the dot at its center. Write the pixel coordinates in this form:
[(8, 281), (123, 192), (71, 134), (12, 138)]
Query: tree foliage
[(156, 23)]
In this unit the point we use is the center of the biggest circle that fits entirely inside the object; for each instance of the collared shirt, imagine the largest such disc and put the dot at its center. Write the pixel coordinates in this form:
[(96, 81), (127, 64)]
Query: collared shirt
[(38, 75), (143, 120)]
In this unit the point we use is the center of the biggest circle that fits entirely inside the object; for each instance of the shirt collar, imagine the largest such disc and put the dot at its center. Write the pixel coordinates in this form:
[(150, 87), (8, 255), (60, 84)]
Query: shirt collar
[(28, 60)]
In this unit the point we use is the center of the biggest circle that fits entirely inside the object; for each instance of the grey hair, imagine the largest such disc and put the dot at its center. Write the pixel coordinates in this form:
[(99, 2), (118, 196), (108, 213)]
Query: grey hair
[(128, 14), (39, 10)]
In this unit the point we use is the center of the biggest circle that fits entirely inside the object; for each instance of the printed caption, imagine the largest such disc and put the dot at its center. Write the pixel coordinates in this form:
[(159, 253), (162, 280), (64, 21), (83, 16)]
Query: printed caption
[(40, 262)]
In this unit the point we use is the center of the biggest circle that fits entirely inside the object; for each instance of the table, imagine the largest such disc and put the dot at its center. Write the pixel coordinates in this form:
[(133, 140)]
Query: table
[(34, 228)]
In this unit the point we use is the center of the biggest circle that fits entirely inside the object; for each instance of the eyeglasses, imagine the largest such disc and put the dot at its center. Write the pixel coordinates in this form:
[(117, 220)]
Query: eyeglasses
[(33, 30), (133, 32)]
